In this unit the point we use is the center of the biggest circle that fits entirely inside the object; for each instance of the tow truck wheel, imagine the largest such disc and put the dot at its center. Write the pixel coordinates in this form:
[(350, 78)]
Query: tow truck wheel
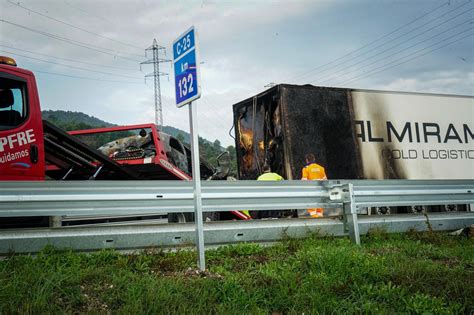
[(418, 209), (382, 210)]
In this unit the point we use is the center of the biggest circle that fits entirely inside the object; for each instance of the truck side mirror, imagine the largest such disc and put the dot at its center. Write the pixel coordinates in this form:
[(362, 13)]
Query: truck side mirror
[(223, 166), (223, 159)]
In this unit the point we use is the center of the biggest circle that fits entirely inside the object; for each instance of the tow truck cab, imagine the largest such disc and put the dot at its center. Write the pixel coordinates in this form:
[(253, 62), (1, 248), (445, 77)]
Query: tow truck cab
[(22, 154)]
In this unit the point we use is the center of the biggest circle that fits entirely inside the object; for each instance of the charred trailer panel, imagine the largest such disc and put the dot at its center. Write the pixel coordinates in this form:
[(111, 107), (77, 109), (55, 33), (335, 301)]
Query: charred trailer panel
[(356, 134), (281, 125), (259, 138)]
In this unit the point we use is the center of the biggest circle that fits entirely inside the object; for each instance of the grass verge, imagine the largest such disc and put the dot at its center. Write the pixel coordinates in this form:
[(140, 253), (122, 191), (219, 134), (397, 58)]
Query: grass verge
[(411, 273)]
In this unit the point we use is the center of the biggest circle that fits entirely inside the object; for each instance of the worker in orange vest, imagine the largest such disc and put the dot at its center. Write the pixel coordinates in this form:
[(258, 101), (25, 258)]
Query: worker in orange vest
[(313, 171)]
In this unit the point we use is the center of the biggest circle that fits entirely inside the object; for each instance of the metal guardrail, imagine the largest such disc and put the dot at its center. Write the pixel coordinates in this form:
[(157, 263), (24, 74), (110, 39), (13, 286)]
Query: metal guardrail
[(157, 197), (140, 197), (371, 193), (144, 236)]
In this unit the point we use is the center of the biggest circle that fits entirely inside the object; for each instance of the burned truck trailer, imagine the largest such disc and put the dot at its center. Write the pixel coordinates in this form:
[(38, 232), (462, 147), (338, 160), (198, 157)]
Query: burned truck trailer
[(355, 134)]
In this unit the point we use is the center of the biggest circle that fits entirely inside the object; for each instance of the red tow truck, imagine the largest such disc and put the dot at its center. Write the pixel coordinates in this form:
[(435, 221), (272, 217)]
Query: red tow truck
[(32, 149)]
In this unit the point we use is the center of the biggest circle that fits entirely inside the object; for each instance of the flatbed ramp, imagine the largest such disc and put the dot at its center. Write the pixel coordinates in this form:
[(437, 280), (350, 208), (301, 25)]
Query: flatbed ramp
[(70, 159)]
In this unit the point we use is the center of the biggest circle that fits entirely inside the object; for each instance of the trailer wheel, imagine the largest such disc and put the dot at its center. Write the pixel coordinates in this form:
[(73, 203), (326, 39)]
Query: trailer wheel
[(451, 208), (189, 217), (269, 214), (180, 217), (418, 209), (211, 216), (382, 210)]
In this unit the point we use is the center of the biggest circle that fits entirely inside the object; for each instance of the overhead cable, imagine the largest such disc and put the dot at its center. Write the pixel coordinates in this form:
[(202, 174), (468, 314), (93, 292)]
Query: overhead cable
[(370, 43), (76, 27), (384, 58), (71, 60), (400, 36), (80, 77), (101, 18), (394, 64), (70, 66), (70, 41)]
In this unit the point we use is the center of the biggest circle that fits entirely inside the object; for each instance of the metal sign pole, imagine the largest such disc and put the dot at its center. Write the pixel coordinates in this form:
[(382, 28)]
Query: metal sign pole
[(197, 187)]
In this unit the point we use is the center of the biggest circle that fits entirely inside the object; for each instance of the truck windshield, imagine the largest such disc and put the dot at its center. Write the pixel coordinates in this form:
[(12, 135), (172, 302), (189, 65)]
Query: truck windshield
[(13, 109)]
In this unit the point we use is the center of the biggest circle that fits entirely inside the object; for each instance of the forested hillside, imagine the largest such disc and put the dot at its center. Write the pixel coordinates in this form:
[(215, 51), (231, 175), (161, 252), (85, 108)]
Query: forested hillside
[(68, 120)]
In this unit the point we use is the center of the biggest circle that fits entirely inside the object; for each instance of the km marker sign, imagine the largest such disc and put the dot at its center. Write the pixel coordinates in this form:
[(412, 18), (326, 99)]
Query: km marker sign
[(186, 68)]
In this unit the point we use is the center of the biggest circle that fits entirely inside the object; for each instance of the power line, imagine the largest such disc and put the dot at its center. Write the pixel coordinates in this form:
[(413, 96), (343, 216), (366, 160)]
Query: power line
[(370, 43), (70, 66), (400, 36), (67, 59), (79, 77), (101, 18), (67, 40), (384, 67), (215, 120), (73, 26), (393, 54), (218, 121)]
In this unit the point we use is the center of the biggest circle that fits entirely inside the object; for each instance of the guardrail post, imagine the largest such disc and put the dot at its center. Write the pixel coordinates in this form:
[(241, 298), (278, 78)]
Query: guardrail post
[(350, 214)]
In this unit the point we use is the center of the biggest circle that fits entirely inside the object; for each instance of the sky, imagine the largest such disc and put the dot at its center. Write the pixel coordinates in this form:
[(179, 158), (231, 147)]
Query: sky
[(86, 55)]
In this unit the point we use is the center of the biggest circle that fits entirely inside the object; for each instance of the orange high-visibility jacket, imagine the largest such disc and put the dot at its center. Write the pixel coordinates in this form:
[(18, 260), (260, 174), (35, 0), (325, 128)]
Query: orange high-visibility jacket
[(313, 171)]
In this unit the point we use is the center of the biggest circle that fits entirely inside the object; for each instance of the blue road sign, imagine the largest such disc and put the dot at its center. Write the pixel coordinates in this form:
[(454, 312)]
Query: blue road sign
[(183, 44), (186, 68)]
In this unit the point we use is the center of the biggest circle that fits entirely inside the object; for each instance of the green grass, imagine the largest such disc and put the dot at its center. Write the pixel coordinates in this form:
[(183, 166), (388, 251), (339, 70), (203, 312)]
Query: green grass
[(414, 273)]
